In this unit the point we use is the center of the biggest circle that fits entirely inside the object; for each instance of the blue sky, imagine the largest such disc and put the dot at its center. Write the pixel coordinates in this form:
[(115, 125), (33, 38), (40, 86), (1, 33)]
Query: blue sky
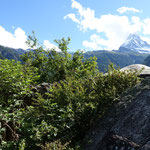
[(91, 24)]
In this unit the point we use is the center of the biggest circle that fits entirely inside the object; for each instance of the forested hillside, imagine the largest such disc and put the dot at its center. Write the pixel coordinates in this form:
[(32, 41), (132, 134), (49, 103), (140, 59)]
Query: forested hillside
[(104, 58), (11, 53), (119, 59), (147, 61), (1, 57)]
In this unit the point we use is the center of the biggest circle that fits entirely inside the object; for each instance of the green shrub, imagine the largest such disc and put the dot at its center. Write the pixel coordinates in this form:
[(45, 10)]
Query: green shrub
[(71, 107), (15, 80), (78, 95), (55, 66)]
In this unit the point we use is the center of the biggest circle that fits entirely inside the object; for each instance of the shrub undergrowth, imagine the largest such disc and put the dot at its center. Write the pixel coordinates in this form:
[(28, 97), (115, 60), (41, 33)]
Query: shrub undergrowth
[(59, 118)]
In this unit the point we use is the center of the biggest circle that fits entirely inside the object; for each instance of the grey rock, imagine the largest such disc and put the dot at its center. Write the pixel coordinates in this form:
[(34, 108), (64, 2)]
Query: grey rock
[(142, 69), (146, 146), (128, 122)]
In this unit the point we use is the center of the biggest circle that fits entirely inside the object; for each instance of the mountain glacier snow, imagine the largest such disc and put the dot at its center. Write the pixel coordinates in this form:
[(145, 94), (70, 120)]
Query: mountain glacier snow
[(135, 44)]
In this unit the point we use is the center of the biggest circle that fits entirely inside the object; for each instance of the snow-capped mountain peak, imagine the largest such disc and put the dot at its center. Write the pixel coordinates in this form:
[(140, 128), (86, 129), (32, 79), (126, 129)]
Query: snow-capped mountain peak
[(135, 43)]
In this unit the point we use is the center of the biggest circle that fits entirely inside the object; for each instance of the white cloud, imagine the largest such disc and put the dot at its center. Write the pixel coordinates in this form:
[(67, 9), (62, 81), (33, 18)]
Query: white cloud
[(122, 10), (146, 26), (16, 40), (91, 45), (115, 28), (72, 17), (98, 43), (78, 6), (50, 46), (95, 42), (85, 16)]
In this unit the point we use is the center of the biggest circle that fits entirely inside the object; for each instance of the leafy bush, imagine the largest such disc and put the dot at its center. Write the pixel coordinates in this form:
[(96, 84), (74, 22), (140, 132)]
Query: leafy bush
[(15, 80), (15, 84), (60, 118), (55, 66)]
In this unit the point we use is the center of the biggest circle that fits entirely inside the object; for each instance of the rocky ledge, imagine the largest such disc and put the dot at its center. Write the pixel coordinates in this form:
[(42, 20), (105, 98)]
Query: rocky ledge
[(127, 125), (143, 70)]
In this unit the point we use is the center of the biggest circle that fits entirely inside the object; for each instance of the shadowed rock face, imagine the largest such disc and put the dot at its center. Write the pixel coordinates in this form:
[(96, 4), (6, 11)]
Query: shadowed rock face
[(127, 124), (115, 142)]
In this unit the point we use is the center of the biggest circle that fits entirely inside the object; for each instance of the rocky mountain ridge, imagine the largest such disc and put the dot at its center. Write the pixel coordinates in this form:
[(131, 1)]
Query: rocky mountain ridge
[(135, 44)]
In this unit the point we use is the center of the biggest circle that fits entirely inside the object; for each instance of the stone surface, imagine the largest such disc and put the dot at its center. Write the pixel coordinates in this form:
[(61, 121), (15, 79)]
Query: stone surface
[(115, 142), (128, 122), (143, 69), (145, 146)]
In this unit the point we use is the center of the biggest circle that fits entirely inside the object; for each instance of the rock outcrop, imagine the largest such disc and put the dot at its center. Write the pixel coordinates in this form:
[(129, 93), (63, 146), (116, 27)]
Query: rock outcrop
[(127, 125), (142, 69)]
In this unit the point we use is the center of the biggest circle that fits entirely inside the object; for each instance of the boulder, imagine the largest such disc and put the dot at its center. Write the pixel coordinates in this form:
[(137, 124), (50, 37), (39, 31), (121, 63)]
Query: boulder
[(143, 69), (127, 124)]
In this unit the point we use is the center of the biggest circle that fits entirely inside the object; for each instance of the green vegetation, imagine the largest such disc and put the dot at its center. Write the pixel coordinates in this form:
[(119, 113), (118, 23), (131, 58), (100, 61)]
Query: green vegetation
[(104, 58), (10, 53), (147, 61), (58, 119), (119, 59), (1, 57)]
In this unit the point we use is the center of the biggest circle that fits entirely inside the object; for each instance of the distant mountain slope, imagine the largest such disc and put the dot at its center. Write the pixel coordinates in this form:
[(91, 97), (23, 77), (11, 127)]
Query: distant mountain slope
[(11, 53), (147, 61), (104, 58), (120, 59), (1, 57), (133, 51)]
